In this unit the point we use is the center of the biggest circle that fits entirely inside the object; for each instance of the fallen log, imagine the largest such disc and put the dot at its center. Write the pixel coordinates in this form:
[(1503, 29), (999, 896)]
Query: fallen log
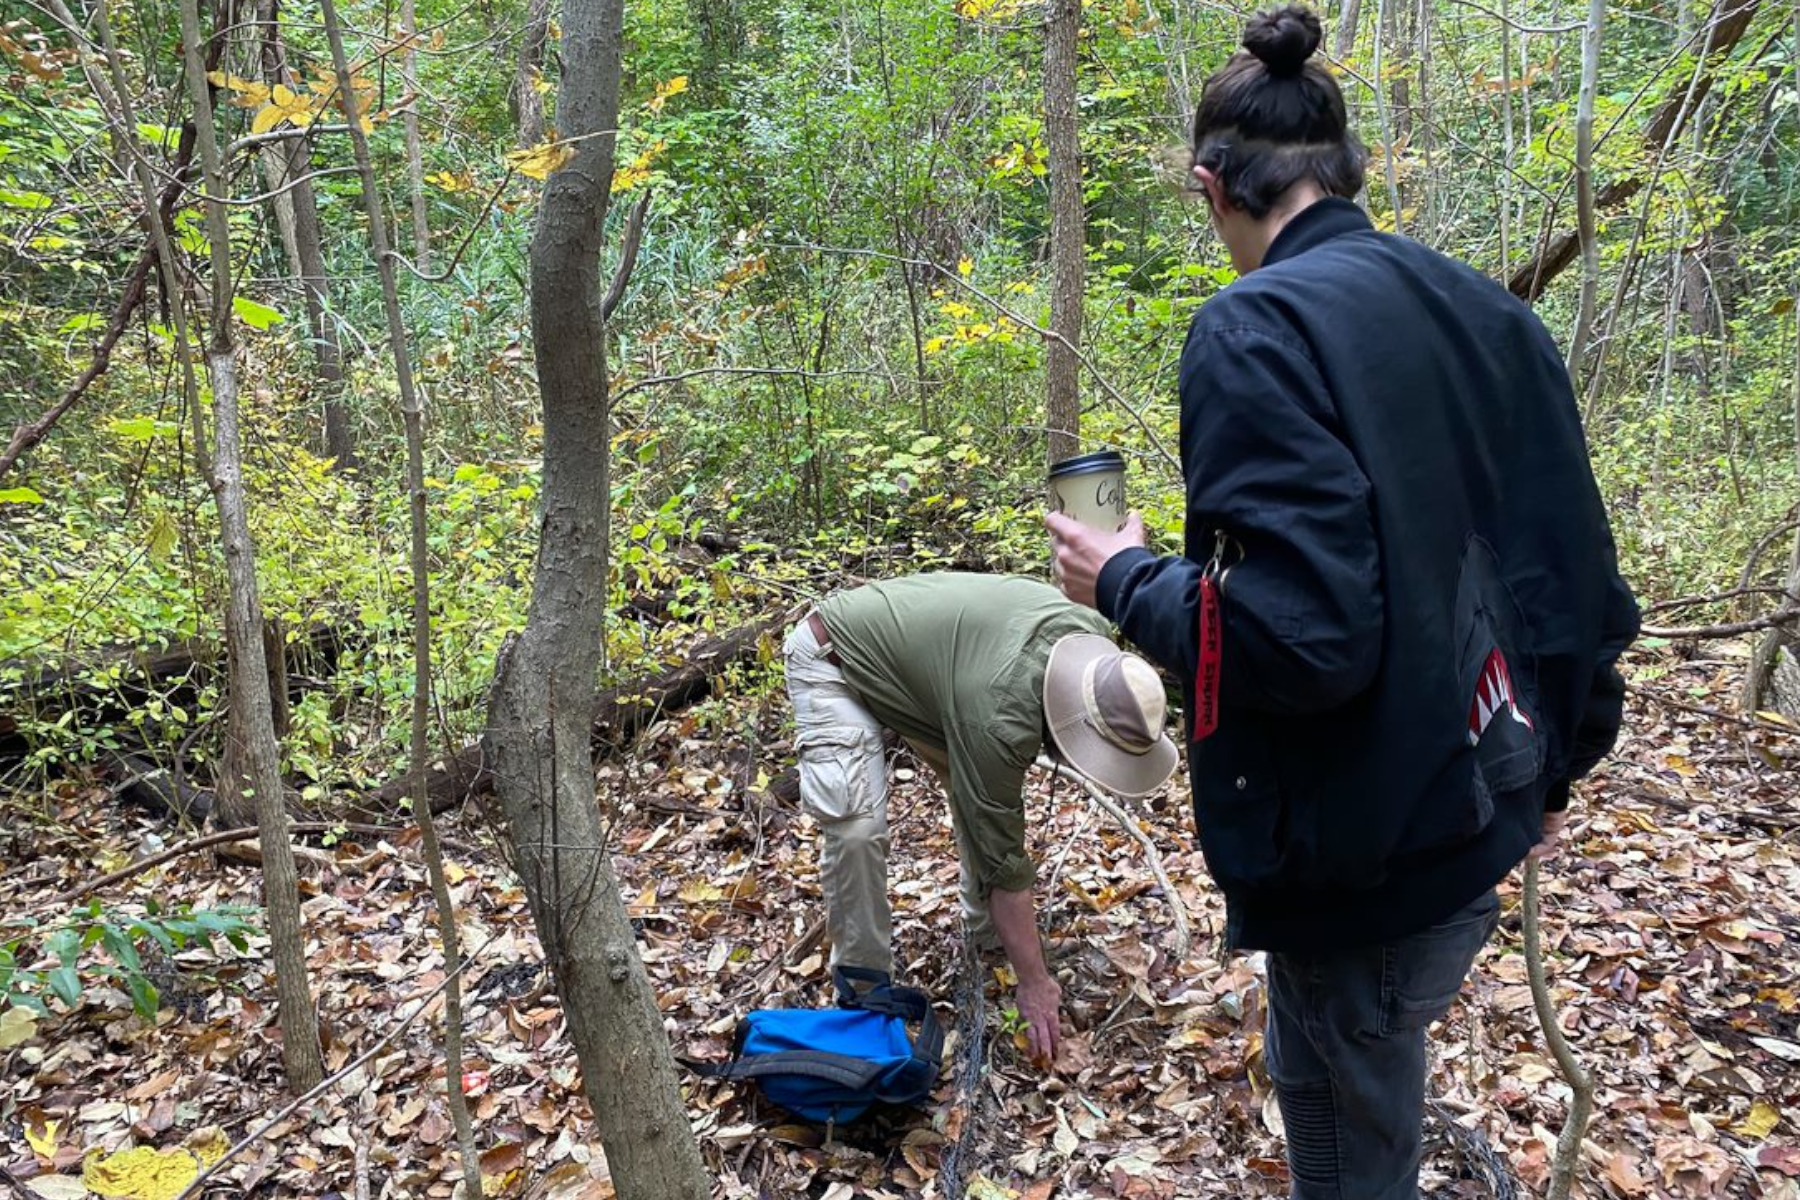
[(621, 713)]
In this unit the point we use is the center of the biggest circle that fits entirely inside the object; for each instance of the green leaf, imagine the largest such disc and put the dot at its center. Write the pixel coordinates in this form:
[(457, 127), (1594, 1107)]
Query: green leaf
[(65, 944), (140, 429), (67, 985), (82, 323), (19, 495), (256, 316), (162, 536), (159, 135), (12, 199), (144, 996)]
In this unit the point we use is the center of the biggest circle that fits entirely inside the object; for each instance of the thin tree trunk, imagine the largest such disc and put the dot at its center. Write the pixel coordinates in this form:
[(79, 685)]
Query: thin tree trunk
[(531, 71), (415, 154), (251, 706), (414, 416), (1584, 188), (308, 263), (1345, 44), (1507, 146), (1384, 115), (544, 683), (1758, 685), (1068, 228), (1395, 14)]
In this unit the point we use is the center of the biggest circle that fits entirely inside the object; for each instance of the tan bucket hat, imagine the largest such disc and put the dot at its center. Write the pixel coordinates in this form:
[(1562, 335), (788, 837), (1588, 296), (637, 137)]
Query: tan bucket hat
[(1106, 710)]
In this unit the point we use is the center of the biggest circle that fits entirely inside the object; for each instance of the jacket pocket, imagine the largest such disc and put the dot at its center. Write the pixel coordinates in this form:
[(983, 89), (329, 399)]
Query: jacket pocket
[(1497, 679), (1239, 809)]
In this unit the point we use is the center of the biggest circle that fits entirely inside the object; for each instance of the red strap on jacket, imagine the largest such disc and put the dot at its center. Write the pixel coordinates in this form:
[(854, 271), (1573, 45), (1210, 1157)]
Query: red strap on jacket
[(1206, 670)]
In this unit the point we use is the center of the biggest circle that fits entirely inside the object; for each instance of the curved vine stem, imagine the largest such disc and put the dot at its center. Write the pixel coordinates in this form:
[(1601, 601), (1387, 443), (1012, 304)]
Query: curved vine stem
[(1581, 1084)]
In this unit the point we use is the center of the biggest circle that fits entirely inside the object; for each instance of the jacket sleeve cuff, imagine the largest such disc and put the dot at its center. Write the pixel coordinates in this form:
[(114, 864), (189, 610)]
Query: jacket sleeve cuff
[(1556, 799), (1111, 582)]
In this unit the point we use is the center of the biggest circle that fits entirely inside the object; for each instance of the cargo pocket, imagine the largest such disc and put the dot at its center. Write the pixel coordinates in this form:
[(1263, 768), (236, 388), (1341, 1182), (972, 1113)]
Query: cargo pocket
[(834, 773), (1422, 975)]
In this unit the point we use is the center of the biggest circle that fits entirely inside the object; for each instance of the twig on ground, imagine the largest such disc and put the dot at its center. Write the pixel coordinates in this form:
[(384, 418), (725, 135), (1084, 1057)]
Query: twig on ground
[(1581, 1085), (1177, 908), (204, 842)]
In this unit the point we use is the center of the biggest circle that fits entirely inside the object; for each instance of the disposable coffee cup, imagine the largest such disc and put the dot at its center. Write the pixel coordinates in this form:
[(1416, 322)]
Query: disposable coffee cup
[(1091, 489)]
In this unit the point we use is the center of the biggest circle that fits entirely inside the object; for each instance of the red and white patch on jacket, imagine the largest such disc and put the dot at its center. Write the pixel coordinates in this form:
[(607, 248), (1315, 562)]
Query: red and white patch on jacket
[(1494, 695)]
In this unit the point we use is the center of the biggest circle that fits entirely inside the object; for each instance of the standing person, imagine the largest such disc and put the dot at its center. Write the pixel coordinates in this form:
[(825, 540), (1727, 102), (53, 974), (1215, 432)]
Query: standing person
[(975, 672), (1399, 609)]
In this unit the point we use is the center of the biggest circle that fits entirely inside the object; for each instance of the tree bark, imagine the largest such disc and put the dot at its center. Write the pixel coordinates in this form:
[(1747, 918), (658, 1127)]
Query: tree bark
[(308, 263), (252, 711), (414, 415), (1348, 16), (531, 71), (415, 154), (1068, 228), (543, 694), (1585, 224), (1726, 26)]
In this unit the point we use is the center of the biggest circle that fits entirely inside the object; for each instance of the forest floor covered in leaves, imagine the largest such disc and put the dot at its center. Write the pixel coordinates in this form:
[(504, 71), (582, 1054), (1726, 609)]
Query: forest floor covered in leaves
[(1672, 923)]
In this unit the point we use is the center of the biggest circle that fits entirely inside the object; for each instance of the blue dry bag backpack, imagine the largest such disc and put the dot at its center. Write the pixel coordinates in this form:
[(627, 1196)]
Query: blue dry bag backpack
[(830, 1064)]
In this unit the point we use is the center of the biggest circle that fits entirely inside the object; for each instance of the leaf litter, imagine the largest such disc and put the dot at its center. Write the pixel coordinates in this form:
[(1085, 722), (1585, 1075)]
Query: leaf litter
[(1670, 923)]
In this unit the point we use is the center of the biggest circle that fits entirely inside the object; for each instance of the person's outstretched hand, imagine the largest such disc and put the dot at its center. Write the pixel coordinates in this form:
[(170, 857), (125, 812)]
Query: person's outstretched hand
[(1040, 1004), (1081, 552)]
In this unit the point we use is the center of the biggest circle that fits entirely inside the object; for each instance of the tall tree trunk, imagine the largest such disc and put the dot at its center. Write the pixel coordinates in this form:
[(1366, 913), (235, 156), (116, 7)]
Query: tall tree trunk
[(1397, 17), (1348, 16), (251, 706), (544, 684), (531, 72), (308, 263), (415, 154), (414, 415), (1068, 228), (1584, 188)]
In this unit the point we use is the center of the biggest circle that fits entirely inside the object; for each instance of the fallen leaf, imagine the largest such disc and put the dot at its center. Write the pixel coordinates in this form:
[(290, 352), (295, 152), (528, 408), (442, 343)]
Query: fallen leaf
[(57, 1187), (1759, 1123), (17, 1026), (983, 1188), (41, 1137)]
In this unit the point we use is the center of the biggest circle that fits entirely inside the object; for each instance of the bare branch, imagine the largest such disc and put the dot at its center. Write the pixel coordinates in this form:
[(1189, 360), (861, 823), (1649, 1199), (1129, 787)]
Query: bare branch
[(1780, 617), (628, 252)]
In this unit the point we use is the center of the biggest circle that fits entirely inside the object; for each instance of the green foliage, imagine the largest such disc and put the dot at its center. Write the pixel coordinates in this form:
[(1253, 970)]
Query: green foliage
[(95, 945)]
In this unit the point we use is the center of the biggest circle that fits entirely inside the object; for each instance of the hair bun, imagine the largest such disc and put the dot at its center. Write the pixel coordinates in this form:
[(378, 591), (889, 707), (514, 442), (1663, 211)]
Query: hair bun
[(1284, 38)]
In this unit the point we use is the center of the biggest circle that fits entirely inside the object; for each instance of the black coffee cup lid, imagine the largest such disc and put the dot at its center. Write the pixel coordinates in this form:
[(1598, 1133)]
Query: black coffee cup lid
[(1089, 464)]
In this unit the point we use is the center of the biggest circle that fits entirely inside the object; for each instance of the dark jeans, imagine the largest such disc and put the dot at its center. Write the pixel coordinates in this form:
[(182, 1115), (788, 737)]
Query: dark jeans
[(1346, 1049)]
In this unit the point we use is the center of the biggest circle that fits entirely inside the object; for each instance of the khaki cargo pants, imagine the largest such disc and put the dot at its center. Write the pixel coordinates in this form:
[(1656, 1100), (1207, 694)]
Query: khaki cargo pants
[(844, 785)]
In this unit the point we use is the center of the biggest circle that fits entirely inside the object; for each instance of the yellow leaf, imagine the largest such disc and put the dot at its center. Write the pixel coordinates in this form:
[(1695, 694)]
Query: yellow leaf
[(208, 1144), (41, 1138), (454, 873), (18, 1026), (539, 161), (1759, 1122), (451, 182), (140, 1173), (698, 891), (674, 87), (266, 119), (983, 1188)]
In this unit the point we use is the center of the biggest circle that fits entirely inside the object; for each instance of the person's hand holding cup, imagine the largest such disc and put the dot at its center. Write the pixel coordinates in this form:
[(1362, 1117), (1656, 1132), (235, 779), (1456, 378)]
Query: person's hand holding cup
[(1088, 521)]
